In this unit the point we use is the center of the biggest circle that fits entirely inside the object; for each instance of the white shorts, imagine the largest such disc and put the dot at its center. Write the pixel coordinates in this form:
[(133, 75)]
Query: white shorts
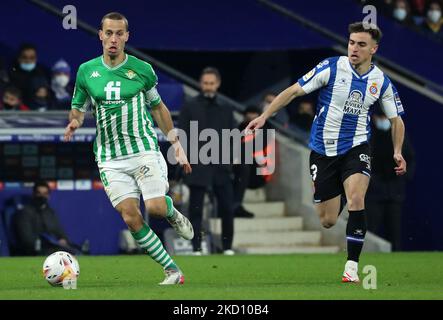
[(145, 173)]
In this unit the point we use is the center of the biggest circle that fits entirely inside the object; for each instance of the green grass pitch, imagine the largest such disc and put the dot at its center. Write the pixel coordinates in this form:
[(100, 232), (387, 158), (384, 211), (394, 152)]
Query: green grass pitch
[(261, 277)]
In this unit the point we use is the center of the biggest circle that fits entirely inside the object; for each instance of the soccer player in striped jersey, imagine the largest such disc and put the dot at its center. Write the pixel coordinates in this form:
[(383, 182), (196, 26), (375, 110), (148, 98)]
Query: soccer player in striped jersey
[(121, 90), (340, 159)]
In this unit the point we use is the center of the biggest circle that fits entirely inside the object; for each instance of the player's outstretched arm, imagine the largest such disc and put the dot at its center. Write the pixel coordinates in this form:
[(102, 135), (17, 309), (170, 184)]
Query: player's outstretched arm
[(398, 135), (76, 118), (162, 117), (282, 100)]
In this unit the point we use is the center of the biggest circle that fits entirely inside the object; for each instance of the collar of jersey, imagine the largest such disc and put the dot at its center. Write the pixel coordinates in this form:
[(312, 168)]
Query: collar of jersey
[(117, 66), (357, 74)]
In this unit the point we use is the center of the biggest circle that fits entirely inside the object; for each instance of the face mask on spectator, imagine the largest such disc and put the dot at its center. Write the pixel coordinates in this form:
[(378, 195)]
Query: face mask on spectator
[(383, 124), (41, 202), (27, 66), (400, 14), (61, 80), (434, 15)]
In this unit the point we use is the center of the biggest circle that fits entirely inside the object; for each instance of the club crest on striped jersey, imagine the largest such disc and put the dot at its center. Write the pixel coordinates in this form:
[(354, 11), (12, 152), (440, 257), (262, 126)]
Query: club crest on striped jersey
[(130, 74), (373, 88), (354, 103)]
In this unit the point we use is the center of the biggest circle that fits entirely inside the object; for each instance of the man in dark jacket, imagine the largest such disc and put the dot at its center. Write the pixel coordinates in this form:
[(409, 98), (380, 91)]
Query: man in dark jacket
[(37, 227), (208, 112), (386, 191), (28, 75)]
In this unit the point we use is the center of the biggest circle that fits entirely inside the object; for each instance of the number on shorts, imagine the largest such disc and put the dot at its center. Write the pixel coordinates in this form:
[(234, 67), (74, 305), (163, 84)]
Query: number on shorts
[(104, 180), (314, 172)]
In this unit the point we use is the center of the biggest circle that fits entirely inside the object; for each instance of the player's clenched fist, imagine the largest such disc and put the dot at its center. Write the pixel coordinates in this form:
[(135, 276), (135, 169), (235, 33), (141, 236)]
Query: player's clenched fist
[(70, 129)]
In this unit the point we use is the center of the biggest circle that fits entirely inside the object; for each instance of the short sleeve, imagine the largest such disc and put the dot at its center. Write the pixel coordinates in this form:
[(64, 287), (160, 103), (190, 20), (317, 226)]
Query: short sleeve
[(151, 94), (317, 78), (80, 98), (390, 100)]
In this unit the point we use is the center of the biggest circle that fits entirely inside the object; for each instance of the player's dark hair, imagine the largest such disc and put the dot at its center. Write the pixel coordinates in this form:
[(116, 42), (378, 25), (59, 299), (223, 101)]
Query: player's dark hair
[(114, 16), (13, 91), (40, 183), (211, 70), (372, 29)]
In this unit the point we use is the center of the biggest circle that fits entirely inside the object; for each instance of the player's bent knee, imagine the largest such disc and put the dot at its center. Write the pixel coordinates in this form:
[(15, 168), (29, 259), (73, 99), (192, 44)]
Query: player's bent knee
[(134, 223), (356, 202), (131, 215), (327, 223), (157, 207)]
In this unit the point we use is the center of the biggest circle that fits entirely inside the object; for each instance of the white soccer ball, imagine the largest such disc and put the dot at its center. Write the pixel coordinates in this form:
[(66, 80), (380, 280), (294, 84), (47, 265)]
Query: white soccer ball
[(60, 266)]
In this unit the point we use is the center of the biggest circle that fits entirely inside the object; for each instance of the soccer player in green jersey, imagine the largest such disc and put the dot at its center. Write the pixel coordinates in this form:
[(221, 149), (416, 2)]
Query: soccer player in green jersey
[(121, 89)]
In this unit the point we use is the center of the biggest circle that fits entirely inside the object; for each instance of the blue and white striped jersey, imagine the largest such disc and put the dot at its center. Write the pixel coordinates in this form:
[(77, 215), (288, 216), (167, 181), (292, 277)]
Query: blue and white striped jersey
[(345, 103)]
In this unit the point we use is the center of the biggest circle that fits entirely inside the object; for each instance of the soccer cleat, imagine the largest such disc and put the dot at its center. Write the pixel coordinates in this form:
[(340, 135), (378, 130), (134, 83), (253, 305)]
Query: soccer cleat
[(173, 276), (182, 225), (229, 252), (351, 272)]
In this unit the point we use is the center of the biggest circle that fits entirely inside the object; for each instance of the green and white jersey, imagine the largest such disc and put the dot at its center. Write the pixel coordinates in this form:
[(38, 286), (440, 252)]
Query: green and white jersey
[(120, 98)]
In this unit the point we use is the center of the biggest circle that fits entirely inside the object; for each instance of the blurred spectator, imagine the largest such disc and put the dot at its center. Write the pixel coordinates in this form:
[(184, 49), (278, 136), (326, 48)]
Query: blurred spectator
[(304, 116), (402, 12), (37, 228), (27, 75), (281, 116), (4, 79), (209, 113), (12, 100), (386, 191), (245, 174), (418, 11), (41, 100), (433, 22), (242, 171), (60, 85)]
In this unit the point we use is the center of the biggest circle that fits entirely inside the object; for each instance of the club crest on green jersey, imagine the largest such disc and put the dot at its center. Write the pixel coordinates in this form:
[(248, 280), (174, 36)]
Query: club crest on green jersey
[(130, 74)]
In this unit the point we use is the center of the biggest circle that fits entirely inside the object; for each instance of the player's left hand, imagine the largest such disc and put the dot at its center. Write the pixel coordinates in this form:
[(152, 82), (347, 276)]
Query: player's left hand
[(400, 169), (181, 158), (70, 129)]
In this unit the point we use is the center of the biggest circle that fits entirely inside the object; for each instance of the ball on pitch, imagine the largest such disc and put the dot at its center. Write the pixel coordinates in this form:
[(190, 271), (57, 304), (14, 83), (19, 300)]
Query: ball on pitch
[(60, 266)]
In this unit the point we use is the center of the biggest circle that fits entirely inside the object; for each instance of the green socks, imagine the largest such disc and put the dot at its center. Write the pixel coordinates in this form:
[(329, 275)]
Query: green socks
[(152, 245), (170, 213)]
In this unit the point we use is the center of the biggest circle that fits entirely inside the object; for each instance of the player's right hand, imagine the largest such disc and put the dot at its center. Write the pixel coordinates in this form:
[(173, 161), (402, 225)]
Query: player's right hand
[(255, 124), (400, 169), (70, 129)]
